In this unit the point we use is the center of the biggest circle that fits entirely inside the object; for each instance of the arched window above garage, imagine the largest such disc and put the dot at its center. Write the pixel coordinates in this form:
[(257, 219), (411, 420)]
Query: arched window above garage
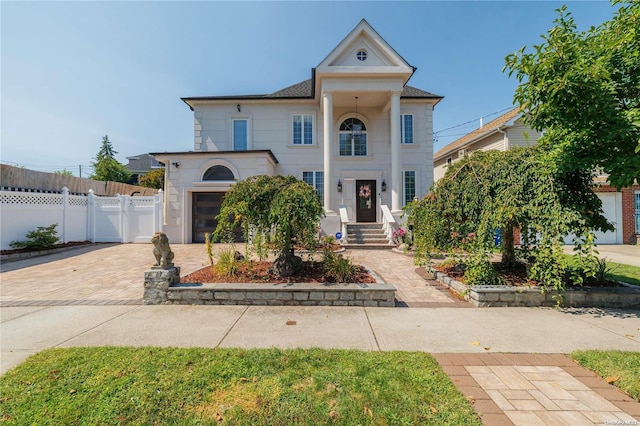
[(218, 173)]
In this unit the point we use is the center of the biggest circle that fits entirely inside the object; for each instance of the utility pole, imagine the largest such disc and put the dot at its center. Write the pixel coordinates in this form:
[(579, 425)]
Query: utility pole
[(80, 170)]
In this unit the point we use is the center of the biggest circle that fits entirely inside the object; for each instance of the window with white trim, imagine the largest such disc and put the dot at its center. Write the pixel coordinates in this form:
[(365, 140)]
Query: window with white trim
[(316, 179), (240, 134), (302, 129), (637, 206), (352, 138), (406, 128), (409, 186)]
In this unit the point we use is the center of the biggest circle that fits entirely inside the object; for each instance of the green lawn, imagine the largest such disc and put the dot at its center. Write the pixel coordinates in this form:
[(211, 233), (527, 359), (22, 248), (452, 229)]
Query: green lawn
[(230, 386), (619, 272), (625, 273), (623, 366)]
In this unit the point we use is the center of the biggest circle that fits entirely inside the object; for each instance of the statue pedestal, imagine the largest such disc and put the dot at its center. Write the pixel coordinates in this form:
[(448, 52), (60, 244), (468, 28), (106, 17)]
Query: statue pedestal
[(157, 281)]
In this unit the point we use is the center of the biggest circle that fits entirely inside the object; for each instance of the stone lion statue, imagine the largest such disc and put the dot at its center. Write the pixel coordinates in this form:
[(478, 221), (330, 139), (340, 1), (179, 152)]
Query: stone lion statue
[(161, 250)]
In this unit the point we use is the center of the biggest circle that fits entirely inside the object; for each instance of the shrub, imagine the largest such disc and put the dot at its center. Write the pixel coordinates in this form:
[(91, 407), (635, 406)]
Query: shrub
[(229, 262), (339, 268), (41, 238)]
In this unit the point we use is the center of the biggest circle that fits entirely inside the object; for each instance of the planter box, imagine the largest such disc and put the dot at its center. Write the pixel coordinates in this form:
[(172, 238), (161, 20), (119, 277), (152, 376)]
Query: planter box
[(494, 296), (162, 286)]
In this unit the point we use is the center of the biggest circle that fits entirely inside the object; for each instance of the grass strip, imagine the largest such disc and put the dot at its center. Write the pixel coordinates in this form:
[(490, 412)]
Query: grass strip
[(621, 368), (625, 273), (109, 385)]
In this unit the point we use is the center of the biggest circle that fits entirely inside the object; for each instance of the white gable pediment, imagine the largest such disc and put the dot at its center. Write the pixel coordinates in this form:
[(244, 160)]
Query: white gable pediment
[(381, 58)]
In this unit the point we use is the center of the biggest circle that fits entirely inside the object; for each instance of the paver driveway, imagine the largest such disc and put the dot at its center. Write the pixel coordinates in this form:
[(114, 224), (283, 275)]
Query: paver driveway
[(112, 274)]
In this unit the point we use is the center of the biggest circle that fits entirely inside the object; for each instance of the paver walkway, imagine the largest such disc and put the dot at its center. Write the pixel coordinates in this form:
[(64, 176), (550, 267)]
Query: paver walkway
[(537, 389)]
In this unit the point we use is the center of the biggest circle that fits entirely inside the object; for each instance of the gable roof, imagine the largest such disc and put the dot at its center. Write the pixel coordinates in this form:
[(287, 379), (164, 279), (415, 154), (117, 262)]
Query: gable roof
[(481, 132), (364, 36), (363, 32)]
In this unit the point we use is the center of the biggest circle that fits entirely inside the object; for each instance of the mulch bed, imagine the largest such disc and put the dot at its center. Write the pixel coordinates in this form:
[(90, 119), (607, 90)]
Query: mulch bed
[(258, 273), (56, 246)]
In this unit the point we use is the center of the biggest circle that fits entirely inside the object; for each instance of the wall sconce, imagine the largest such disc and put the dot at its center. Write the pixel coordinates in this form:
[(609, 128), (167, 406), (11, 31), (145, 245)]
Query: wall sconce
[(384, 186), (339, 186), (238, 106), (176, 164)]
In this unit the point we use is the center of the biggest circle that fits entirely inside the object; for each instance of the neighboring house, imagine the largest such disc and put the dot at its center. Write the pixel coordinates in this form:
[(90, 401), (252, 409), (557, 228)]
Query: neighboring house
[(501, 133), (140, 165), (622, 208), (355, 131)]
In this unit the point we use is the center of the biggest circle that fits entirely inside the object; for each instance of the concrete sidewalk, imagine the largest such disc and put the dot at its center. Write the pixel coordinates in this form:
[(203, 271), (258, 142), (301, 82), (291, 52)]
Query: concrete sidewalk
[(27, 330)]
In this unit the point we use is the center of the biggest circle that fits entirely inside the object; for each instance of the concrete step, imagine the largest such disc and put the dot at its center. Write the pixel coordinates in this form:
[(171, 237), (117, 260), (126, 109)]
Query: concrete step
[(368, 246)]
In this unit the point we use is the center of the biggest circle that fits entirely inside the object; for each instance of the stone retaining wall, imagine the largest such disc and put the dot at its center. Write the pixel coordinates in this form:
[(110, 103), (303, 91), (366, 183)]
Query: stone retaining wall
[(164, 287), (499, 296)]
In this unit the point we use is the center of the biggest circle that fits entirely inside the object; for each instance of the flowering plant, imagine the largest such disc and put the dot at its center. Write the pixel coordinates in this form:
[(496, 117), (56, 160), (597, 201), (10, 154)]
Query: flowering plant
[(400, 236), (365, 191)]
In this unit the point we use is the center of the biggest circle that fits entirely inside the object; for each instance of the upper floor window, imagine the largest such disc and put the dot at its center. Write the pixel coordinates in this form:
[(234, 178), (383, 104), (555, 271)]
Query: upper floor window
[(240, 134), (352, 138), (406, 128), (218, 173), (302, 129)]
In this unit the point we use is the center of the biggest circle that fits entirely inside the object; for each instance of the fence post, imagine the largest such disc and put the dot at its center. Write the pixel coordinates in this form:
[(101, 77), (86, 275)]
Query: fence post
[(65, 207), (158, 211), (91, 216)]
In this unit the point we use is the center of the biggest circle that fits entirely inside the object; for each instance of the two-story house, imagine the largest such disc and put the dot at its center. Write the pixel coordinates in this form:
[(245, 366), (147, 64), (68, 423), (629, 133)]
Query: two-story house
[(355, 131)]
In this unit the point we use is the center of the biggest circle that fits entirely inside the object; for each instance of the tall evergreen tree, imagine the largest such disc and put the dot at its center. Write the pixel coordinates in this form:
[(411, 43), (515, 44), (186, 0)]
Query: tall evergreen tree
[(106, 167)]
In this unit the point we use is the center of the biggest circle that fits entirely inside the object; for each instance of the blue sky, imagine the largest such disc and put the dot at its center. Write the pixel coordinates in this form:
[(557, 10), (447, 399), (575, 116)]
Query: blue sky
[(72, 72)]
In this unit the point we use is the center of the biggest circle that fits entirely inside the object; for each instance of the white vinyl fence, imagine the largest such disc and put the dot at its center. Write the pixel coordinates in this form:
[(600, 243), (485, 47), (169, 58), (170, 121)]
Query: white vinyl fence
[(122, 219)]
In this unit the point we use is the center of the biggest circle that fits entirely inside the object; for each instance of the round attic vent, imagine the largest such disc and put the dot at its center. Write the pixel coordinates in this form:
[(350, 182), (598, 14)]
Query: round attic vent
[(361, 55)]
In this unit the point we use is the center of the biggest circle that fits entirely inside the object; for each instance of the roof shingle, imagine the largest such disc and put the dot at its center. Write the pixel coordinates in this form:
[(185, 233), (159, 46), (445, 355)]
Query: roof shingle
[(476, 134)]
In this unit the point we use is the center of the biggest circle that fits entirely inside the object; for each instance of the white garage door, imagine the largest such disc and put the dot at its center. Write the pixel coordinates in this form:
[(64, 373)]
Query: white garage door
[(612, 208)]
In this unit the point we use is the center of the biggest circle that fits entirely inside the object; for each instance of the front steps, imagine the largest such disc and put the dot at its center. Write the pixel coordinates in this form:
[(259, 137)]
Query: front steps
[(367, 236)]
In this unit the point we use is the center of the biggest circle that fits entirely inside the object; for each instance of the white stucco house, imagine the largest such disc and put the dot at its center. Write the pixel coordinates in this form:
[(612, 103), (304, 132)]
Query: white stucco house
[(355, 130)]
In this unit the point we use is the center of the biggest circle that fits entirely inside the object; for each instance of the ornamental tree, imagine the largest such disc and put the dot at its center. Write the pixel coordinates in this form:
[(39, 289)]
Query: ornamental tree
[(583, 90), (281, 210), (520, 188), (153, 179)]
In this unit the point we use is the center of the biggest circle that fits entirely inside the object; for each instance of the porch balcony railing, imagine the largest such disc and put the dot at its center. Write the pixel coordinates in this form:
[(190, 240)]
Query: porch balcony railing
[(344, 221), (389, 224)]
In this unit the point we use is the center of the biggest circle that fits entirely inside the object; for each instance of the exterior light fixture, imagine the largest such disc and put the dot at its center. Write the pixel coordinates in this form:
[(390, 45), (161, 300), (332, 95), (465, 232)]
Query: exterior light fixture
[(384, 186), (238, 106), (356, 128), (339, 186), (176, 164)]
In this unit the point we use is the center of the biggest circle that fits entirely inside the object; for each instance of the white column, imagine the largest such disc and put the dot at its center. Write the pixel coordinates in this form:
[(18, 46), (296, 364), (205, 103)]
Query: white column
[(327, 100), (396, 159)]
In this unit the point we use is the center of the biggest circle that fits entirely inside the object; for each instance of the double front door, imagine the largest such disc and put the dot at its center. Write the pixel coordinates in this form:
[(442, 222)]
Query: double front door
[(365, 200)]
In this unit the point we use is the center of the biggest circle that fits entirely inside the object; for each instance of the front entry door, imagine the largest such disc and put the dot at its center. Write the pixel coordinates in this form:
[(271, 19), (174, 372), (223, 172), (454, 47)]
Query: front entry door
[(365, 201)]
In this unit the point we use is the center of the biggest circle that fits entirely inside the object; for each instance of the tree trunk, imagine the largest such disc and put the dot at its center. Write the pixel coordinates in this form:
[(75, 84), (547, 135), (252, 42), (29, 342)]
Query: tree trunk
[(287, 265), (508, 249)]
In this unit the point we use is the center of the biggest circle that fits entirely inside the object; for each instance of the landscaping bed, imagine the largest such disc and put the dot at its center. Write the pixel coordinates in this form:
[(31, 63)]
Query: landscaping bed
[(258, 272), (26, 253), (521, 294)]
